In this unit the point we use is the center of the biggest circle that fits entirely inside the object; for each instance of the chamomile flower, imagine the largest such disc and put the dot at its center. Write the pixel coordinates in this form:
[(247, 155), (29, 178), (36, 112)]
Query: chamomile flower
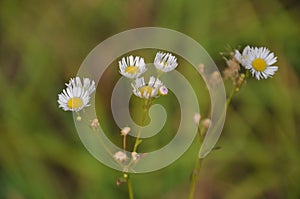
[(244, 57), (260, 62), (146, 90), (132, 67), (77, 94), (165, 62)]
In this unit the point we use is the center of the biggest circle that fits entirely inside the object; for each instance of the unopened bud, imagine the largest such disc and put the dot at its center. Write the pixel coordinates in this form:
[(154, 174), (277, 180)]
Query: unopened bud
[(206, 123), (201, 68), (135, 156), (197, 118), (125, 131), (120, 156), (95, 123), (163, 90)]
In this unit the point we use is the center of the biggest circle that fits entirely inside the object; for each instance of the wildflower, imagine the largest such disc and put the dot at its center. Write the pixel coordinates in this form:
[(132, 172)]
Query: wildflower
[(77, 95), (125, 131), (258, 61), (143, 90), (165, 62), (163, 90), (120, 156), (132, 67)]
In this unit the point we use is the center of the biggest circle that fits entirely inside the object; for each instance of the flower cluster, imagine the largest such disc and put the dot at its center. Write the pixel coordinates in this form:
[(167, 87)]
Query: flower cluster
[(258, 60), (133, 67)]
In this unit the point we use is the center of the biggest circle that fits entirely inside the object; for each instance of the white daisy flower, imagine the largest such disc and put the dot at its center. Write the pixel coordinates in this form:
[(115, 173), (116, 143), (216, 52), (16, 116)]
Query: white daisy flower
[(165, 61), (77, 95), (242, 58), (260, 62), (143, 90), (132, 67)]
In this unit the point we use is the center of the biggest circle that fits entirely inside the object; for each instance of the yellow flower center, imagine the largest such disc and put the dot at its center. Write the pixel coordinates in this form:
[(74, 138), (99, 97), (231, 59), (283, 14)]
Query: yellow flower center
[(132, 70), (146, 90), (165, 64), (259, 64), (75, 103)]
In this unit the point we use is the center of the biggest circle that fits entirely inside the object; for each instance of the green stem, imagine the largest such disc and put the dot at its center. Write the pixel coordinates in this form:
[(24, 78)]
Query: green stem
[(130, 190), (195, 175), (146, 109), (198, 164), (137, 142)]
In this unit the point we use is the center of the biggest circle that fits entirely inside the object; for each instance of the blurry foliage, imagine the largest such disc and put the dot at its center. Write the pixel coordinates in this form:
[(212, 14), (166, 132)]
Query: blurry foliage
[(42, 44)]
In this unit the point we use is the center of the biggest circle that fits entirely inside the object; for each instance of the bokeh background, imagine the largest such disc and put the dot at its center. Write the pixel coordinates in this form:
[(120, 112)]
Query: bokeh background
[(43, 43)]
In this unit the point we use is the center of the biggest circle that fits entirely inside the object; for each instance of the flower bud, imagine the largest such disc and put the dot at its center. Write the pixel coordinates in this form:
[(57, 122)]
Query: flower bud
[(125, 131), (197, 118)]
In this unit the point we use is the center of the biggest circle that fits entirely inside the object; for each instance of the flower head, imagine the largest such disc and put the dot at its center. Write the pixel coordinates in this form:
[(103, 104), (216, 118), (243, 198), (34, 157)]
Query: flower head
[(146, 90), (165, 62), (77, 94), (132, 67), (258, 61)]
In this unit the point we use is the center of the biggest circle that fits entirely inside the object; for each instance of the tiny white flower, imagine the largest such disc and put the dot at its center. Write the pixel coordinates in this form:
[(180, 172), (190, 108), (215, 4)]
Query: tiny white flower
[(77, 95), (163, 90), (120, 156), (146, 91), (165, 62), (242, 58), (132, 67), (260, 62), (125, 131)]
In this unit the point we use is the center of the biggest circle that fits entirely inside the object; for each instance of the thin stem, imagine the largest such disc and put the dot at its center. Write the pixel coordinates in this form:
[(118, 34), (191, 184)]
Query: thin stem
[(201, 132), (130, 190), (195, 175), (137, 142), (196, 170), (124, 143)]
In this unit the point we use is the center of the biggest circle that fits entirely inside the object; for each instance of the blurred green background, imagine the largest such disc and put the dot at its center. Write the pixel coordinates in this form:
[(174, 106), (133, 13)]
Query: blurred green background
[(42, 45)]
